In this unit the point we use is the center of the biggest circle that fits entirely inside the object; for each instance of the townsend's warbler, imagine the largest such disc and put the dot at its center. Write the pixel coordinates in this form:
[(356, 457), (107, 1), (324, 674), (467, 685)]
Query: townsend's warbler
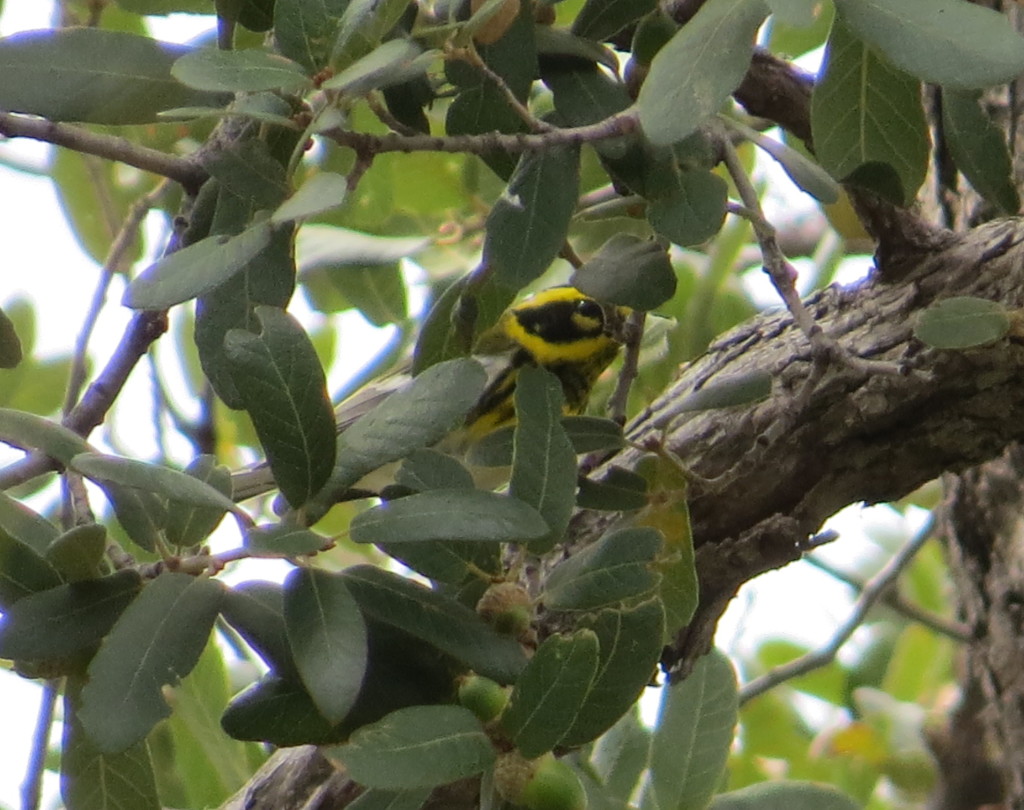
[(560, 329)]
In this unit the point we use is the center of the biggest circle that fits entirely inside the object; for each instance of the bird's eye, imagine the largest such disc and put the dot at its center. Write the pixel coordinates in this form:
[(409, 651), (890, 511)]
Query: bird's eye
[(590, 309)]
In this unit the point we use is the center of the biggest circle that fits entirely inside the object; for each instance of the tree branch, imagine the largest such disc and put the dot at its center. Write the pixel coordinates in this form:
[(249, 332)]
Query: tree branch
[(874, 590), (612, 127), (768, 474), (181, 170)]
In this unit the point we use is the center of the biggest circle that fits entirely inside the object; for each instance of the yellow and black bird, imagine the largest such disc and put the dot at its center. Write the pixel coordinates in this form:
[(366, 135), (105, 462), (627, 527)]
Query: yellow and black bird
[(560, 329)]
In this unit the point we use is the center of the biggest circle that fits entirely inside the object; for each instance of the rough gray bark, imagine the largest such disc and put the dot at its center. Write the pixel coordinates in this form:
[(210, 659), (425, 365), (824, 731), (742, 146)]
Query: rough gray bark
[(770, 473), (983, 521)]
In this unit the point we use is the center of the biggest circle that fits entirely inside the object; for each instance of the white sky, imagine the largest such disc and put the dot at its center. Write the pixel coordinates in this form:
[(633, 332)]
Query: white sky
[(48, 267)]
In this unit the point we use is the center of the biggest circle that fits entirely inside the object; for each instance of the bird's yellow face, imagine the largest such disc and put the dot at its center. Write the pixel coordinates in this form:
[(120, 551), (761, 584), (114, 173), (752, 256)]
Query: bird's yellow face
[(561, 330)]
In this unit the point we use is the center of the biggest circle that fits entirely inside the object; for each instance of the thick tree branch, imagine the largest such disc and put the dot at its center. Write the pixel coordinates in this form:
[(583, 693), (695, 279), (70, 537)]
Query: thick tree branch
[(769, 473)]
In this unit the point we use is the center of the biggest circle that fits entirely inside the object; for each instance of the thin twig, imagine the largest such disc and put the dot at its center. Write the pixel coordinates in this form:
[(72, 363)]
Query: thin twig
[(31, 788), (634, 329), (143, 329), (122, 243), (783, 275), (378, 108), (612, 127), (955, 630), (471, 57), (181, 170), (874, 590)]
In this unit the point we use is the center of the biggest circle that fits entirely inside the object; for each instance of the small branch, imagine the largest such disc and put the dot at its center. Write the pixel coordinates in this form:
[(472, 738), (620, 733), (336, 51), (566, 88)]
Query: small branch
[(955, 630), (31, 788), (181, 170), (874, 590), (614, 126), (378, 108), (634, 329), (143, 329), (116, 257), (783, 275), (470, 56)]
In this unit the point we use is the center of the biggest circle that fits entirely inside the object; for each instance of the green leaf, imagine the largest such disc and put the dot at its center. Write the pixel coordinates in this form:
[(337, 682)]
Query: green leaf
[(446, 561), (94, 76), (616, 567), (785, 795), (394, 62), (587, 434), (328, 639), (163, 481), (330, 246), (450, 514), (798, 13), (60, 621), (22, 571), (428, 469), (693, 75), (157, 641), (92, 779), (141, 514), (268, 279), (559, 44), (979, 149), (416, 416), (256, 15), (278, 711), (418, 747), (239, 71), (27, 527), (619, 491), (436, 619), (321, 192), (742, 389), (391, 799), (305, 30), (284, 539), (543, 461), (550, 691), (279, 377), (249, 178), (692, 736), (947, 42), (628, 271), (28, 431), (630, 644), (591, 434), (694, 211), (527, 226), (362, 27), (208, 764), (197, 269), (191, 525), (256, 610), (10, 345), (620, 756), (78, 553), (600, 19), (158, 7), (962, 322), (867, 120)]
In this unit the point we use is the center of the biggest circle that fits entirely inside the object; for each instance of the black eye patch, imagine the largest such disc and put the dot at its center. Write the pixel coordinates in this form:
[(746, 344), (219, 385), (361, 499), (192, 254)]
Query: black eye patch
[(560, 321)]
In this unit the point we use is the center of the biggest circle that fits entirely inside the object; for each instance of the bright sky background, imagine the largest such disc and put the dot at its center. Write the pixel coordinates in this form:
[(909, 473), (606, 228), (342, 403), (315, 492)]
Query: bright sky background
[(48, 267)]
